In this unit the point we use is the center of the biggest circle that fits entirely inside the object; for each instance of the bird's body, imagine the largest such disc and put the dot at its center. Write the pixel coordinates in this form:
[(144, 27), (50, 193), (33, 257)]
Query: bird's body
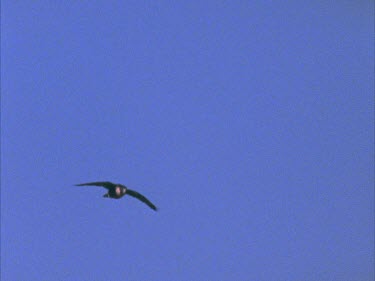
[(116, 191)]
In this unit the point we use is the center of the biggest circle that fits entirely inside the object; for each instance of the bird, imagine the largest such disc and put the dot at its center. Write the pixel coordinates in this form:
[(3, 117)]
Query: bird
[(116, 191)]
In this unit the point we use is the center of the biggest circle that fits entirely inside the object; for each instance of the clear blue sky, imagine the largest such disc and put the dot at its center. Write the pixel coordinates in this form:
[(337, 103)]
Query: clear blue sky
[(248, 123)]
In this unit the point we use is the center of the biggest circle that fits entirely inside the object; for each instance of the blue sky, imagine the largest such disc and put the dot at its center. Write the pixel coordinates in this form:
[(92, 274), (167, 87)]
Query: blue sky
[(248, 123)]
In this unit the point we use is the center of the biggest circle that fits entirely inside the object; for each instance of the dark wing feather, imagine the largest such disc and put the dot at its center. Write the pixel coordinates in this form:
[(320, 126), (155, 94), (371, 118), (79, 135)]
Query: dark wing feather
[(141, 197), (106, 184)]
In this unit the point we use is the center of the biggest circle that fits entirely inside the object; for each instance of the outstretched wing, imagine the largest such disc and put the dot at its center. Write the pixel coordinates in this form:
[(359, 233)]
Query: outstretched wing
[(141, 197), (106, 184)]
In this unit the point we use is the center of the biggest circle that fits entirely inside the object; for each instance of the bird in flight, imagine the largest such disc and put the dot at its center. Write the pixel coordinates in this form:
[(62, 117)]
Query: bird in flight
[(116, 191)]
